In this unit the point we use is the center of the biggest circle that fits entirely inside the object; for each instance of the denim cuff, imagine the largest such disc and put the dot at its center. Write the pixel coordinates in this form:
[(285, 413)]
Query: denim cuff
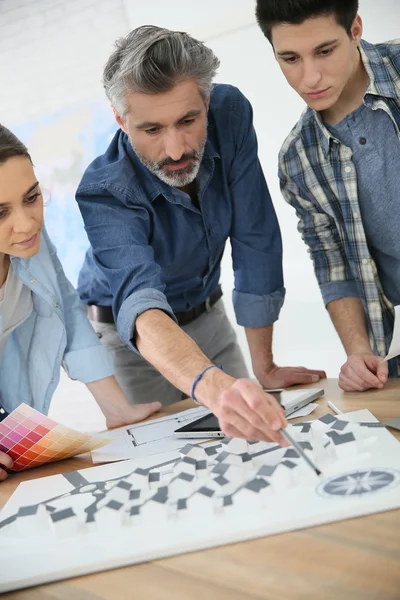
[(136, 304), (252, 310), (89, 364), (334, 290)]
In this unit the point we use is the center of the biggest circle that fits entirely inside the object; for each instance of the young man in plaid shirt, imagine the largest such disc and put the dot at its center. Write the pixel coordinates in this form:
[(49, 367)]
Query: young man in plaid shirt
[(340, 169)]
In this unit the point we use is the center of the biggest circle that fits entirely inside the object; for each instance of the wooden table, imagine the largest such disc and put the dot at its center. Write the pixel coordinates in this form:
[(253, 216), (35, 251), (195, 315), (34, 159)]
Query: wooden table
[(357, 559)]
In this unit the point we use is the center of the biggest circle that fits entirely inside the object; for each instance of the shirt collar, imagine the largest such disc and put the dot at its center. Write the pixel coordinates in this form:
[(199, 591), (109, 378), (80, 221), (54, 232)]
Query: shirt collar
[(380, 81), (380, 84)]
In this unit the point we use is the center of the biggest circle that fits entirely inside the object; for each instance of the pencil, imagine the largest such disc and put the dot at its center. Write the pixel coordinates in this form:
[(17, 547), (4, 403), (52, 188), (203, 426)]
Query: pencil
[(334, 408), (300, 451)]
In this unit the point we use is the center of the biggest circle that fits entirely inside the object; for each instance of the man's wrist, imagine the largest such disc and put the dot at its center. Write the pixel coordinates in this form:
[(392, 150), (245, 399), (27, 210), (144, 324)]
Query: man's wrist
[(359, 349), (261, 369), (210, 386)]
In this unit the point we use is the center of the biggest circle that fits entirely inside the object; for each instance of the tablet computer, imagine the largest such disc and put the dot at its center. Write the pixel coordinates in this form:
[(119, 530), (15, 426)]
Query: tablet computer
[(291, 400)]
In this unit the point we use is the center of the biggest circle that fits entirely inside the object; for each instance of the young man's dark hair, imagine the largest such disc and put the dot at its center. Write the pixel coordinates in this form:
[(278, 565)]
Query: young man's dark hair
[(275, 12)]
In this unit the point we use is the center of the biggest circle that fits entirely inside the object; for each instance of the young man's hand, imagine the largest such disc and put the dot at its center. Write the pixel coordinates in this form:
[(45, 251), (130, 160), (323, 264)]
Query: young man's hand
[(282, 377), (362, 372), (5, 461)]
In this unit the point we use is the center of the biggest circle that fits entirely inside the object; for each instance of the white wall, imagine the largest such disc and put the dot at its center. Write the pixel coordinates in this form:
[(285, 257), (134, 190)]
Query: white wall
[(52, 53)]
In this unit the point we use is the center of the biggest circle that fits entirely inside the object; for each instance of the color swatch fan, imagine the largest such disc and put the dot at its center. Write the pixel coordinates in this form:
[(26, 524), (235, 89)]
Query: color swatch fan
[(32, 439)]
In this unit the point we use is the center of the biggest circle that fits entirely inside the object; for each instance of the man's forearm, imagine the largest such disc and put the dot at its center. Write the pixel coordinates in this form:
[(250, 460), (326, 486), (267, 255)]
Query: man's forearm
[(348, 317), (260, 345), (176, 356)]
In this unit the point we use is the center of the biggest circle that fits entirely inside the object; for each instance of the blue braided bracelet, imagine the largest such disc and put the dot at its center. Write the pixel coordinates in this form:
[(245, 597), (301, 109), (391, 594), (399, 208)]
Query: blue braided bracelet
[(199, 376)]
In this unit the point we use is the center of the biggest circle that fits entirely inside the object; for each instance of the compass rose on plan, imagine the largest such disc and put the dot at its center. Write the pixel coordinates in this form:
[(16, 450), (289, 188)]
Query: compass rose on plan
[(360, 482)]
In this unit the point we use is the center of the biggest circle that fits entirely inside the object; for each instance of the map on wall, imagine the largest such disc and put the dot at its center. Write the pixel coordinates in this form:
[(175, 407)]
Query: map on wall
[(62, 146)]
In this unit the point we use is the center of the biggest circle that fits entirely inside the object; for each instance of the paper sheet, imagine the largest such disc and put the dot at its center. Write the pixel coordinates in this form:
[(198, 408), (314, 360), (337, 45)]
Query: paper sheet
[(145, 439), (157, 436), (394, 423), (303, 412), (394, 349)]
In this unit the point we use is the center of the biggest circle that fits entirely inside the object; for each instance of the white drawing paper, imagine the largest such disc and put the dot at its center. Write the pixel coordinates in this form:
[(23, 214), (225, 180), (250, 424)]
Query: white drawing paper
[(151, 437), (394, 349), (198, 497), (304, 411)]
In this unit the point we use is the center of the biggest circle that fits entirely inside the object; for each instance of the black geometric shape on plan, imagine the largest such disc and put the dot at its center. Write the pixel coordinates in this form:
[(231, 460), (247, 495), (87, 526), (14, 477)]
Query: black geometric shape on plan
[(61, 515), (305, 445), (8, 521), (256, 485), (339, 425), (345, 438), (212, 450), (291, 453), (124, 485), (226, 440), (50, 508), (184, 476), (135, 510), (187, 448), (327, 419), (266, 471), (220, 469), (205, 491), (90, 518), (140, 471), (334, 435), (201, 465), (245, 457), (162, 495), (153, 477), (114, 505), (75, 478), (372, 425), (182, 504), (289, 464), (222, 456), (27, 511), (189, 461), (221, 480), (228, 500), (305, 427), (134, 494)]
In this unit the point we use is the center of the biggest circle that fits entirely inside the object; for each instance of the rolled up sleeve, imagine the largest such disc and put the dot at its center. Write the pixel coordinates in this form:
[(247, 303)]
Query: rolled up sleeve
[(135, 305), (255, 235), (335, 290), (253, 310), (88, 364)]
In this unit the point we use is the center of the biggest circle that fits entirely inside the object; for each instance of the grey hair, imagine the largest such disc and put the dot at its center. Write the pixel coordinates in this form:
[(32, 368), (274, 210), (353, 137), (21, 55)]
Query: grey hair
[(151, 60)]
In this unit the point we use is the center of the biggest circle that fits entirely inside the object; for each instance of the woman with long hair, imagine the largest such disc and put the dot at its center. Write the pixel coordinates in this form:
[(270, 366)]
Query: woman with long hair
[(42, 321)]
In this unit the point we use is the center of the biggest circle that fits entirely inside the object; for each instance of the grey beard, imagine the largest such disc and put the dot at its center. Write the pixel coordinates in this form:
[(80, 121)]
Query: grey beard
[(178, 178)]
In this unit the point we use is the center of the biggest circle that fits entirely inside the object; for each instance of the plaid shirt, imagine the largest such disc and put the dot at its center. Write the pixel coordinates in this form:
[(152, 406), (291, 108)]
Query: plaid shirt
[(319, 179)]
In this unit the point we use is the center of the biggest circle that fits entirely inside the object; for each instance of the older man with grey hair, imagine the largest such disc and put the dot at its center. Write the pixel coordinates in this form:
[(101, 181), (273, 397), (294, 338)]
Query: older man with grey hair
[(180, 177)]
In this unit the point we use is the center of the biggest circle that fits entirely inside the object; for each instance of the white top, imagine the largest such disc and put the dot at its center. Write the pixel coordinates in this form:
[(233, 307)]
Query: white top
[(15, 305)]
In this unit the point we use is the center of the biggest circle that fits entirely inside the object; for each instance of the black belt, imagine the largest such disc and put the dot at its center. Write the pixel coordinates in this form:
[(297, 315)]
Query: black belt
[(104, 314)]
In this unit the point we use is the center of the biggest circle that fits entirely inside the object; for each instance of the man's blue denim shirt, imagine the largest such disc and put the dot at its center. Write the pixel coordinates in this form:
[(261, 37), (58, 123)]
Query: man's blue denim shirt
[(151, 248)]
